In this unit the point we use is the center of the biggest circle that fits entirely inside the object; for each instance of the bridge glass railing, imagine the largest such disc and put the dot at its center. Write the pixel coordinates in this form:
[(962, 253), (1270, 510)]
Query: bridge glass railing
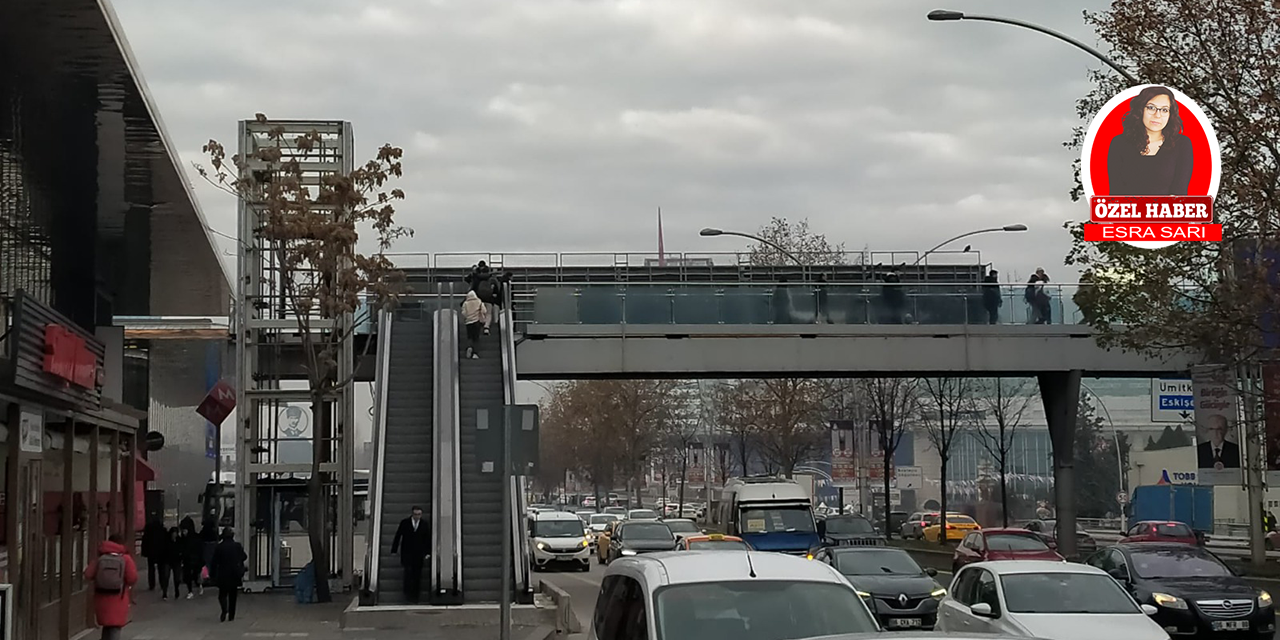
[(793, 304)]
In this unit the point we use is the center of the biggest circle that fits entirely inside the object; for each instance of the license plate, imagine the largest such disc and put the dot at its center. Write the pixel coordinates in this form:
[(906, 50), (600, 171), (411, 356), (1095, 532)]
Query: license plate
[(1230, 625), (904, 623)]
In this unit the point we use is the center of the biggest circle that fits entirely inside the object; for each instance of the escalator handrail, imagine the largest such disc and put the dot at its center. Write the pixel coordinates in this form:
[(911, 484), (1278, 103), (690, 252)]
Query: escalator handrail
[(374, 537), (446, 513), (520, 546)]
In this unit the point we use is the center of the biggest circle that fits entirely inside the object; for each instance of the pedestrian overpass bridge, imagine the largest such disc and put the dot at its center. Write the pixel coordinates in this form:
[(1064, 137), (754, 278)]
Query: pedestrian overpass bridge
[(433, 406)]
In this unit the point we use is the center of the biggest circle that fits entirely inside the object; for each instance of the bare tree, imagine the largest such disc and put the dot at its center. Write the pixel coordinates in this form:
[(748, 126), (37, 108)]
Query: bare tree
[(311, 233), (786, 417), (947, 411), (889, 403), (1003, 402)]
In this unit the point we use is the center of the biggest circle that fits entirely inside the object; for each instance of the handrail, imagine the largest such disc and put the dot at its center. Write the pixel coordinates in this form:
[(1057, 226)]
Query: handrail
[(506, 330), (687, 259), (446, 534), (379, 461)]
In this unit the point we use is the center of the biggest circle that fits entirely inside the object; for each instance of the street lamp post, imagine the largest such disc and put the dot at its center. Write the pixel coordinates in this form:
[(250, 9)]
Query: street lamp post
[(944, 15), (1115, 436), (711, 232), (1008, 228)]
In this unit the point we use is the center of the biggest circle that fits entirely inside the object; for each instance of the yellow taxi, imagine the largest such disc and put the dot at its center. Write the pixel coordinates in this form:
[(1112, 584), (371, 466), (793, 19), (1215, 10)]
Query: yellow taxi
[(958, 526)]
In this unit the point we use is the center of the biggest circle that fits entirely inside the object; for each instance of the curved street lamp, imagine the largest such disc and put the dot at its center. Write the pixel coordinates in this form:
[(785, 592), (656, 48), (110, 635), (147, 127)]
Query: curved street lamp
[(946, 15), (711, 232), (1115, 436), (1006, 228)]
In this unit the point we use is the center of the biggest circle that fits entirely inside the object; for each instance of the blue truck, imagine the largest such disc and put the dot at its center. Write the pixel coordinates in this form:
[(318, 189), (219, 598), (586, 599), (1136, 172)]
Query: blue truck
[(1191, 504)]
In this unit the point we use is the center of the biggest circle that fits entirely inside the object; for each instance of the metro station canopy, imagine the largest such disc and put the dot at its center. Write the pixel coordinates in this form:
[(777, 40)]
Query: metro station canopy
[(97, 216)]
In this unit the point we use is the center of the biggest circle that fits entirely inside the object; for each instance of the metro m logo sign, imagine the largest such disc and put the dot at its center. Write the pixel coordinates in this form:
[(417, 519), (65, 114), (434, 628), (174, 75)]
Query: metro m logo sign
[(219, 403)]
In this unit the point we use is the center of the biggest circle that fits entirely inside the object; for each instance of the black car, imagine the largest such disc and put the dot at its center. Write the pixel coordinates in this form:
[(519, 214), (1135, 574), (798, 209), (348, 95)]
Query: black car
[(839, 531), (1195, 593), (895, 588), (641, 536)]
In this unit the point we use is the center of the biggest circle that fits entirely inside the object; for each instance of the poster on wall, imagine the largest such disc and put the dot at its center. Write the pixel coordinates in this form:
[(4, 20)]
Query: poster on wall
[(696, 465), (844, 462), (31, 432), (1271, 420), (1218, 453)]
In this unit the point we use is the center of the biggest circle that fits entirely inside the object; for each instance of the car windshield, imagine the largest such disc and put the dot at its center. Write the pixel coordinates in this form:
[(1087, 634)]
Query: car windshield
[(643, 514), (603, 518), (558, 529), (1015, 542), (1065, 593), (646, 531), (1173, 530), (847, 525), (876, 562), (777, 520), (710, 545), (960, 520), (759, 610), (682, 526), (1176, 563), (615, 510)]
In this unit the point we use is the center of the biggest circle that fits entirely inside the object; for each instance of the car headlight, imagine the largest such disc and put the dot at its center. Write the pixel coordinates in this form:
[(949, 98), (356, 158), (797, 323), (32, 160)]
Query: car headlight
[(628, 552), (542, 546), (864, 594), (1264, 599), (939, 592), (586, 542), (1169, 602)]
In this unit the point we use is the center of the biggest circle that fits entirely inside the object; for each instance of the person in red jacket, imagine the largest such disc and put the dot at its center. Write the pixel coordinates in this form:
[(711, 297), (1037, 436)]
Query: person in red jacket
[(112, 575)]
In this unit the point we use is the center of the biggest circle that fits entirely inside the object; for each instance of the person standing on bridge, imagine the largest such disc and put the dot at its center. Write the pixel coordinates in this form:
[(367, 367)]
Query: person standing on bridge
[(413, 543), (991, 298), (895, 301), (475, 314), (479, 273)]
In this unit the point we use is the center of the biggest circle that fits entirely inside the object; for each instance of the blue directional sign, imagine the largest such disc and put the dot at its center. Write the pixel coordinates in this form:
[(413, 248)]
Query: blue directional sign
[(1172, 400)]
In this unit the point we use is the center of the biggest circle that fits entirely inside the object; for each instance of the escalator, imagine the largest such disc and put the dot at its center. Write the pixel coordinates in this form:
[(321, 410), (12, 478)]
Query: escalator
[(405, 440), (480, 388)]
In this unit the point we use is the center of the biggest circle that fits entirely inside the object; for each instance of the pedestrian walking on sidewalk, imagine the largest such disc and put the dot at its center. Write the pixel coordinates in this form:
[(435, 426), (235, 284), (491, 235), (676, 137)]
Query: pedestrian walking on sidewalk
[(475, 314), (154, 537), (171, 563), (112, 575), (226, 571), (413, 542), (192, 549)]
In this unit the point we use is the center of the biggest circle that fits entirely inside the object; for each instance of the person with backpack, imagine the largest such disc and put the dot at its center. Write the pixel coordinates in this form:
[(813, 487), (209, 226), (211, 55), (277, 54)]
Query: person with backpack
[(112, 574), (475, 314), (227, 570)]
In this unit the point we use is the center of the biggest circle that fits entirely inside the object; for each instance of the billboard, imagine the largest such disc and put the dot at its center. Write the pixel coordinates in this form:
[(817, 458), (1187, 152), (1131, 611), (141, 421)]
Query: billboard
[(1218, 451), (844, 454), (696, 464)]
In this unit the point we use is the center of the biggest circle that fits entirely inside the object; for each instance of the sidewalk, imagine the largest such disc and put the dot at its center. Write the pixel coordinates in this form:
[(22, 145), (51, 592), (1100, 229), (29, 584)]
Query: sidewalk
[(261, 616)]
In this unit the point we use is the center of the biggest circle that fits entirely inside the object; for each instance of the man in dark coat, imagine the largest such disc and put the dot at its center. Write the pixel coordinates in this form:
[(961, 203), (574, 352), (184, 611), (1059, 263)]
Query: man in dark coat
[(154, 539), (226, 571), (413, 542)]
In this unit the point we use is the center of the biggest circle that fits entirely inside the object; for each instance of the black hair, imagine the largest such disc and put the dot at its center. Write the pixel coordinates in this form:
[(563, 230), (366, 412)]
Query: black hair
[(116, 538), (414, 508), (228, 533), (1135, 133)]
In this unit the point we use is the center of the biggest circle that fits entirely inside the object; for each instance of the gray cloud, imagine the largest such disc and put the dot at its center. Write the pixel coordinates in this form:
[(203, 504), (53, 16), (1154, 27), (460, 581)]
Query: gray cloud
[(559, 125)]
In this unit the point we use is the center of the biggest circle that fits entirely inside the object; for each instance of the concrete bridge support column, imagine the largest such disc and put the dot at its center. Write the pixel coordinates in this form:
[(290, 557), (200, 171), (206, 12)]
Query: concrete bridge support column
[(1060, 393)]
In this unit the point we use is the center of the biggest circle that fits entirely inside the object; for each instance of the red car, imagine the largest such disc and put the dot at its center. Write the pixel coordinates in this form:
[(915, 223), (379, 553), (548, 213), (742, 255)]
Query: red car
[(1163, 531), (1001, 544)]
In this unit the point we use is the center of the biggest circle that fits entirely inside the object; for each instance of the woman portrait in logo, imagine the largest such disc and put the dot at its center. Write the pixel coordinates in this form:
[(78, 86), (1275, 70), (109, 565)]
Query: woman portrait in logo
[(1151, 157)]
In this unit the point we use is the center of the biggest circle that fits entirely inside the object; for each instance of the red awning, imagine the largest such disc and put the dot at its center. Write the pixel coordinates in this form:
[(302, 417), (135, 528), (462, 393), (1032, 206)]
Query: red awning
[(143, 471)]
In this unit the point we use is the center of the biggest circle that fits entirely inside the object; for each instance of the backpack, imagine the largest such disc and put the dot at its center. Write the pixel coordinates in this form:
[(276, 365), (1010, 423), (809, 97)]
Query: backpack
[(109, 577)]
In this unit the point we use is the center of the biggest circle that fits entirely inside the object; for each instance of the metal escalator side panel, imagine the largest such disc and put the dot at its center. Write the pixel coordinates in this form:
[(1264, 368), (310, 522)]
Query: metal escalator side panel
[(374, 537), (446, 556), (520, 546)]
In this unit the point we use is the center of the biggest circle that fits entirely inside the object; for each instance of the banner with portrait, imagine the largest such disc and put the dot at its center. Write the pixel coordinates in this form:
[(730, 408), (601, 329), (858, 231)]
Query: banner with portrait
[(1271, 420), (1219, 455), (696, 465), (844, 458)]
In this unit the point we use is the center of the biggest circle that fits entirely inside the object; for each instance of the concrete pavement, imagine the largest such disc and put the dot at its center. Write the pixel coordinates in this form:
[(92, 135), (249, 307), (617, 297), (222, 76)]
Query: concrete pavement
[(582, 589)]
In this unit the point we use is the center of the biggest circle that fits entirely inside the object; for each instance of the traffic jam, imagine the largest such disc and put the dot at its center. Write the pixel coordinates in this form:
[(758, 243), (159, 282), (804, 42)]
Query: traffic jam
[(769, 564)]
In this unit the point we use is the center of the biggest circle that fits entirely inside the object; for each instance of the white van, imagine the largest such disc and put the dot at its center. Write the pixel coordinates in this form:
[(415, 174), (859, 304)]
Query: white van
[(558, 537)]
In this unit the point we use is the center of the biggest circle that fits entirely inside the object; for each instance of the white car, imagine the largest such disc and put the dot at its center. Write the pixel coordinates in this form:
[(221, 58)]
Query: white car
[(642, 514), (559, 538), (1042, 599)]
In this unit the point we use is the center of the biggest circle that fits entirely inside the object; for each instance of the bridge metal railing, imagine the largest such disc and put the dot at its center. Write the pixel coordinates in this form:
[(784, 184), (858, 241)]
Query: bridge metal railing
[(756, 303), (615, 259)]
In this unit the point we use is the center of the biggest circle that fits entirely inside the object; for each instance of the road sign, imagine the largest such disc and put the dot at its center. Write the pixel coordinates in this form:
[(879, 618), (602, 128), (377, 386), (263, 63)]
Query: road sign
[(910, 477), (219, 403), (1172, 400)]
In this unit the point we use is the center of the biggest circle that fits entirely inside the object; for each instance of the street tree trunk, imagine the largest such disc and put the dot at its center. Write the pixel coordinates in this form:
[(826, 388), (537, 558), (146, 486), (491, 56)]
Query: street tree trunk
[(887, 497), (1004, 493), (684, 470), (942, 513), (318, 498)]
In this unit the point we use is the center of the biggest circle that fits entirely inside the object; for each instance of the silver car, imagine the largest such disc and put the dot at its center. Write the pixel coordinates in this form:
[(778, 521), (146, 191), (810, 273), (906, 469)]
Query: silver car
[(1043, 599), (726, 594)]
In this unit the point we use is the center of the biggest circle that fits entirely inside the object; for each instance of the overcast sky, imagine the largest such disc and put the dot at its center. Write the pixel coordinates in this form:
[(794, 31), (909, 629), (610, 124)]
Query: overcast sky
[(560, 125)]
